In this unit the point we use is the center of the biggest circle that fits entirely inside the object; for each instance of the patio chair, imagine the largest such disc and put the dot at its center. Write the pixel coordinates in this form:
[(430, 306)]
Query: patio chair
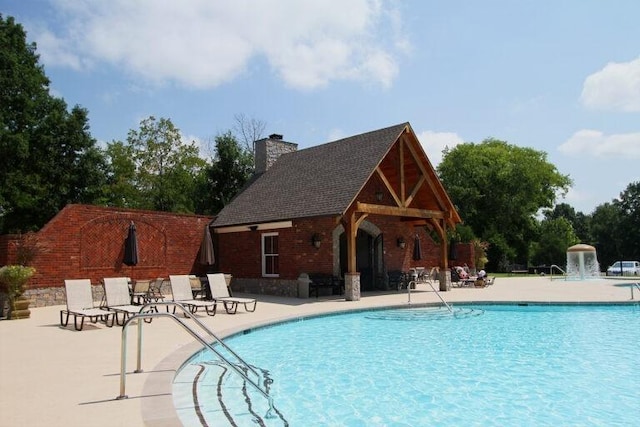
[(118, 299), (220, 292), (140, 294), (197, 288), (398, 279), (155, 290), (80, 305), (181, 292)]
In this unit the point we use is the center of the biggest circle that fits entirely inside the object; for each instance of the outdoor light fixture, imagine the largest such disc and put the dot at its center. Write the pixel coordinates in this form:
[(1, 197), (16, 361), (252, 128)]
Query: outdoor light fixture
[(253, 227), (379, 195), (315, 241), (401, 243)]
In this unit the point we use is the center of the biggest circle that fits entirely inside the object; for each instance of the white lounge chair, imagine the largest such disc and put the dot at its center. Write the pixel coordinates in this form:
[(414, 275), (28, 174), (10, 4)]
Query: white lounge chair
[(220, 292), (140, 294), (80, 305), (181, 292), (155, 290), (118, 299)]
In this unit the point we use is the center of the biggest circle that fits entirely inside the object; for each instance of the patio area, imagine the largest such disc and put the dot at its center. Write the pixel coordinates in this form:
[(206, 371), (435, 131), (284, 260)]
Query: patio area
[(54, 376)]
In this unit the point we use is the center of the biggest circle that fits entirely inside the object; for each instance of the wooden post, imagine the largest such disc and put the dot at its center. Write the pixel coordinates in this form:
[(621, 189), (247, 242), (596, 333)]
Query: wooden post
[(352, 277)]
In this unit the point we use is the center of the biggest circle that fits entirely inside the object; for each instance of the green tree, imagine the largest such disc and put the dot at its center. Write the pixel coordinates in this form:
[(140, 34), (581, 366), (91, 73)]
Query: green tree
[(166, 168), (578, 220), (629, 224), (47, 155), (229, 171), (556, 235), (120, 189), (607, 233), (498, 189)]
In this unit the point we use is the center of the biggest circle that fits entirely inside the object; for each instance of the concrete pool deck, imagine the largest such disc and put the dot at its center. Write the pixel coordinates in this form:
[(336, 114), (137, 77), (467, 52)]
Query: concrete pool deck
[(54, 376)]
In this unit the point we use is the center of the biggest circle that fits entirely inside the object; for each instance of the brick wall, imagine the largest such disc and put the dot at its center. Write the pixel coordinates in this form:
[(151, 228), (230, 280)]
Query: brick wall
[(85, 241), (241, 252)]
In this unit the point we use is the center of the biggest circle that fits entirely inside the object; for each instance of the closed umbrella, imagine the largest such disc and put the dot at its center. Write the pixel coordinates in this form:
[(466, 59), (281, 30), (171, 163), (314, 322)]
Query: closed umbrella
[(207, 256), (417, 250), (131, 246)]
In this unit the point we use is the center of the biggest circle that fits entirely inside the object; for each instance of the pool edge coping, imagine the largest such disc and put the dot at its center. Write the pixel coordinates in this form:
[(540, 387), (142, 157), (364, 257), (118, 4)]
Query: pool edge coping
[(158, 410)]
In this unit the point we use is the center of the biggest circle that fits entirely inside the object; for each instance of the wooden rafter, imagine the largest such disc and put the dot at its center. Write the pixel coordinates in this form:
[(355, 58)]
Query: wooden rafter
[(424, 173), (415, 190), (388, 186), (398, 211)]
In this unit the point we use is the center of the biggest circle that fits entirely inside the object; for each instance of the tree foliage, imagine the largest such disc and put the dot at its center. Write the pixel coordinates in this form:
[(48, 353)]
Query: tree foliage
[(155, 169), (498, 189), (228, 172), (555, 236), (47, 155), (615, 227), (578, 220)]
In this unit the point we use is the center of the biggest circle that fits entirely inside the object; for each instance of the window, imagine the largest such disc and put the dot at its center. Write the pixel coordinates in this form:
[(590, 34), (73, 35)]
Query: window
[(270, 263)]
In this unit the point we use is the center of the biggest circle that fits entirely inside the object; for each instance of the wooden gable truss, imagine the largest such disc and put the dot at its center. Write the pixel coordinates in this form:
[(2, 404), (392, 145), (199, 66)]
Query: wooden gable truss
[(416, 195)]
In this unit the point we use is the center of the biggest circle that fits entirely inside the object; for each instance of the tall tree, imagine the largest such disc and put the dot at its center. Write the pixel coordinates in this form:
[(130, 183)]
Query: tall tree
[(607, 233), (229, 171), (249, 130), (47, 155), (498, 188), (120, 189), (166, 167), (578, 220), (550, 247), (629, 225)]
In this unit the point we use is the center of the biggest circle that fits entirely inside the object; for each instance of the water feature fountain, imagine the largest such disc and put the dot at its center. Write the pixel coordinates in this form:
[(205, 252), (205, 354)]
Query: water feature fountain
[(582, 263)]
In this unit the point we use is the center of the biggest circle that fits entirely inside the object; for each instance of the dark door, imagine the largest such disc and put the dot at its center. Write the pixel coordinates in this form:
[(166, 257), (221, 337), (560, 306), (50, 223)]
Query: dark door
[(364, 260), (369, 260), (378, 263)]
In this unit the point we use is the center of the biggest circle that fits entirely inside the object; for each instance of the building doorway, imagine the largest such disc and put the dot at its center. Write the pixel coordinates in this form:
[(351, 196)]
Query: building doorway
[(369, 259)]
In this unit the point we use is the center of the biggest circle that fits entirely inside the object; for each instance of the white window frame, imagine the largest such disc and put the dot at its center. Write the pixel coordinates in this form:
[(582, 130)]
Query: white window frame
[(264, 255)]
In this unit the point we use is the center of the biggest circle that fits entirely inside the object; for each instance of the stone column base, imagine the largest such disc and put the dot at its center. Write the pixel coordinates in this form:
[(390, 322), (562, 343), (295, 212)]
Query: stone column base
[(444, 277), (352, 286)]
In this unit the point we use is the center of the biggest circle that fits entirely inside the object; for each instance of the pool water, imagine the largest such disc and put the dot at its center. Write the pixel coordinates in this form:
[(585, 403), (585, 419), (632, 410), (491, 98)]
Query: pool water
[(496, 365)]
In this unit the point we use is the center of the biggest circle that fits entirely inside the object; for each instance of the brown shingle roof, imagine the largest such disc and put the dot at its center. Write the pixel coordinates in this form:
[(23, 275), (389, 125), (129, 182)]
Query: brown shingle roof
[(316, 181)]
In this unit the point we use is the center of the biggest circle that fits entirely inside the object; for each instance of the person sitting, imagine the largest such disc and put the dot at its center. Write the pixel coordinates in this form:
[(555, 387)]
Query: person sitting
[(462, 273), (481, 279)]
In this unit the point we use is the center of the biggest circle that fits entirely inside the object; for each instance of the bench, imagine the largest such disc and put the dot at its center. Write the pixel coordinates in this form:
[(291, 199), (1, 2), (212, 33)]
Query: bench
[(324, 281), (518, 272)]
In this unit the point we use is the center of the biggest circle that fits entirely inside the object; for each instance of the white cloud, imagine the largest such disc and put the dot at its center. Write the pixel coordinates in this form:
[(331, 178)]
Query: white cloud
[(593, 143), (203, 43), (434, 142), (615, 87)]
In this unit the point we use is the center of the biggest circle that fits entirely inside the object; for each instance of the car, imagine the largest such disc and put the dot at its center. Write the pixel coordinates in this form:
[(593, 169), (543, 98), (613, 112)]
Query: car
[(628, 268)]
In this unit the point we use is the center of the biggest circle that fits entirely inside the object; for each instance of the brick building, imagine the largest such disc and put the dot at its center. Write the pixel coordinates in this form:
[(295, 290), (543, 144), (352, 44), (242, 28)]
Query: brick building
[(354, 208)]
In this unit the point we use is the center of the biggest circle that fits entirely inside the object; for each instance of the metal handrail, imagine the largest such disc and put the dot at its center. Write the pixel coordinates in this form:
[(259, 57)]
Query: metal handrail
[(558, 267), (634, 285), (434, 290), (153, 314)]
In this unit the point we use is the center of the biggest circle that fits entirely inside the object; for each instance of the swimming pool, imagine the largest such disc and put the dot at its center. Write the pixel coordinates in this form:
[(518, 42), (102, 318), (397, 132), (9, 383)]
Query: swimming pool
[(495, 365)]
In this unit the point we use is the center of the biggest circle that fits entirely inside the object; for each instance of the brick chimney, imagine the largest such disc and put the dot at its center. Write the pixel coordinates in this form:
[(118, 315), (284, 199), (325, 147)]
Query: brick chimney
[(267, 151)]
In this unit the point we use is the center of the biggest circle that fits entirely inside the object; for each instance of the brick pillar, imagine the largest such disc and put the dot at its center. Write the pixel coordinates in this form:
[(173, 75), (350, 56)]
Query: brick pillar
[(352, 286)]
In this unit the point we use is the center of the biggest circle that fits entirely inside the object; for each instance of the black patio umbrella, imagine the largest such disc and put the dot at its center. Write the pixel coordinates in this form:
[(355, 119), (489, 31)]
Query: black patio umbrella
[(207, 256), (417, 250), (131, 246)]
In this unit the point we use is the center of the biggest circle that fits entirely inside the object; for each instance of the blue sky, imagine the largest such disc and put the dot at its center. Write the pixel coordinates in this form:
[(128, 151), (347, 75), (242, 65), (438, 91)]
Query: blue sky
[(559, 76)]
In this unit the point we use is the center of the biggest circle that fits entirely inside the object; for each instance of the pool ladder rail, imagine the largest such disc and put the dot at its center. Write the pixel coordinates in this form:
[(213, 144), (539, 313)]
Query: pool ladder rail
[(413, 283), (632, 286), (156, 314)]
